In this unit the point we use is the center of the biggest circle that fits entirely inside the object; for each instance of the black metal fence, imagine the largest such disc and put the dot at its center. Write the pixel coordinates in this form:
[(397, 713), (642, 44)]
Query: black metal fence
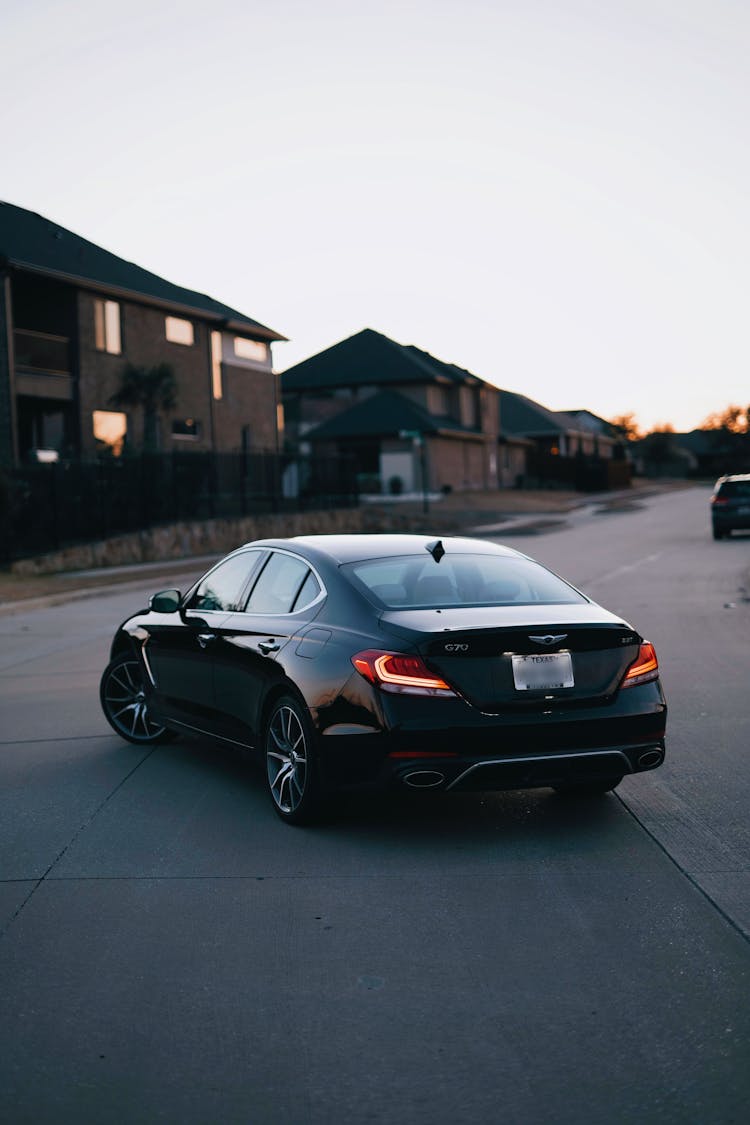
[(44, 507), (583, 473)]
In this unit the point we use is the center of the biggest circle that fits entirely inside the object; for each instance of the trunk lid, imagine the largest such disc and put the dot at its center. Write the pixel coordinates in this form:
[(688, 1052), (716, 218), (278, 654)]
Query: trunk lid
[(474, 651)]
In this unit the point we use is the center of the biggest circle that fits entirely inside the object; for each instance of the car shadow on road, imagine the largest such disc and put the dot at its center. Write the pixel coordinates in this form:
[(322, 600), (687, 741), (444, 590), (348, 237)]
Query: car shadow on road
[(440, 819)]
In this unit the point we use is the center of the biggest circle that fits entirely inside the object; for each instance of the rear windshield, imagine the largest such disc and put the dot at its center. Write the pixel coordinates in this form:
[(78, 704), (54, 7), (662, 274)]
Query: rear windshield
[(411, 582), (735, 489)]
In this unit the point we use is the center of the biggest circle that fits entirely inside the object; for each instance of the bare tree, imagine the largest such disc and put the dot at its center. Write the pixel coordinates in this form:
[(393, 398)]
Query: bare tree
[(628, 424), (735, 419)]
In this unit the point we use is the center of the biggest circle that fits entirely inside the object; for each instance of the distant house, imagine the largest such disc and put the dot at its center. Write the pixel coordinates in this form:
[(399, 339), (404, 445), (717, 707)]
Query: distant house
[(717, 451), (406, 419), (699, 453), (662, 454), (575, 449), (73, 315), (556, 432), (600, 428)]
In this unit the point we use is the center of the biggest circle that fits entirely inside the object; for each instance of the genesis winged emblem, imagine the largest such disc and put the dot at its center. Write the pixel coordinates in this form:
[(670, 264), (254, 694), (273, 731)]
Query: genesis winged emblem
[(549, 639)]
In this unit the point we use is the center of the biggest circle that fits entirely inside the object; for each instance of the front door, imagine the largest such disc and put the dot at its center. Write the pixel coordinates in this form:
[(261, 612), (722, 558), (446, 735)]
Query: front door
[(180, 646)]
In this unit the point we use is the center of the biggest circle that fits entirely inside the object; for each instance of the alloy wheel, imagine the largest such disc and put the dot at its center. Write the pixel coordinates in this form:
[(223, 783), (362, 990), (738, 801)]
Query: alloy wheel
[(124, 702), (287, 759)]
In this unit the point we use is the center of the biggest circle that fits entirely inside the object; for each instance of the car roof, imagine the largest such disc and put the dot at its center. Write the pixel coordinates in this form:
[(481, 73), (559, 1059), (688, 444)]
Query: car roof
[(733, 476), (355, 547)]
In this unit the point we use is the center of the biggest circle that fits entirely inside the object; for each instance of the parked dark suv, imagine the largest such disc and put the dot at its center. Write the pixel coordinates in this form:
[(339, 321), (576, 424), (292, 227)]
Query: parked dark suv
[(730, 505)]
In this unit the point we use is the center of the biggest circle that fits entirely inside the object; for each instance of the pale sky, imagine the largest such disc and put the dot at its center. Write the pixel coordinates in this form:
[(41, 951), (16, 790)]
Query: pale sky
[(552, 193)]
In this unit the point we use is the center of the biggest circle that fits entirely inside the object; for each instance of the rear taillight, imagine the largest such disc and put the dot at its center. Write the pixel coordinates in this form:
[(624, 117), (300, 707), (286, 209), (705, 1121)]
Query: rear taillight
[(399, 673), (644, 668), (719, 502)]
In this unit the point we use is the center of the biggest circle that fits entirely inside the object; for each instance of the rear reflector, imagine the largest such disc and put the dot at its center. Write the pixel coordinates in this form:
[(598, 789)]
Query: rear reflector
[(400, 673), (644, 668)]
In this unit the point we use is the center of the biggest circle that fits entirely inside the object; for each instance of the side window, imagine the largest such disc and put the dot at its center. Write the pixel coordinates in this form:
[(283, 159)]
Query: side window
[(308, 593), (278, 586), (222, 587)]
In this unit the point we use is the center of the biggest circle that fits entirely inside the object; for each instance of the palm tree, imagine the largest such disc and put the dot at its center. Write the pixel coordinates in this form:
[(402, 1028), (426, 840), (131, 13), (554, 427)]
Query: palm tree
[(153, 389)]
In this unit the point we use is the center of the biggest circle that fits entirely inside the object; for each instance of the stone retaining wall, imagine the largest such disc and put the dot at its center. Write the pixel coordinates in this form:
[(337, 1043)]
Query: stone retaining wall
[(184, 540)]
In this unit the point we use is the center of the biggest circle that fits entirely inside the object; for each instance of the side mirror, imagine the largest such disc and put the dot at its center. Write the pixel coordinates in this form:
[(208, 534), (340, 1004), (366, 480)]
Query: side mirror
[(168, 601)]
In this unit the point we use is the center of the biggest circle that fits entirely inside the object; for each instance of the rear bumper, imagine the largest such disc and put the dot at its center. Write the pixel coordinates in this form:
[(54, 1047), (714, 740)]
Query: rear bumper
[(448, 745), (532, 771), (730, 521)]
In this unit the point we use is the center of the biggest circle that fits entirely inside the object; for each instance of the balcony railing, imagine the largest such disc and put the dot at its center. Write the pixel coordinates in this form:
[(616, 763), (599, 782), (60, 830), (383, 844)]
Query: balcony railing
[(39, 351)]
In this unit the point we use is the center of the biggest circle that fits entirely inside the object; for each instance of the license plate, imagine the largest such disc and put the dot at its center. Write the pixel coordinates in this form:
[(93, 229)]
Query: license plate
[(543, 673)]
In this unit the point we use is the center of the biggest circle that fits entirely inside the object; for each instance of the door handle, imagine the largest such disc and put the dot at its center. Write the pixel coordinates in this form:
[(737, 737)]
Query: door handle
[(268, 646), (206, 638)]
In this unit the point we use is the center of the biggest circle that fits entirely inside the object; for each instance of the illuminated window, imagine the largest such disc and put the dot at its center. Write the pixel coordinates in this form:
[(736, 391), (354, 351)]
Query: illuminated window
[(179, 331), (107, 326), (110, 430), (216, 364), (186, 429), (250, 349)]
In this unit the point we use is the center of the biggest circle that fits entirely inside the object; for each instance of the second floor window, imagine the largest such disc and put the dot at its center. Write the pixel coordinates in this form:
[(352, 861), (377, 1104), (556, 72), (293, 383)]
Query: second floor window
[(250, 349), (216, 382), (437, 400), (179, 331), (107, 326)]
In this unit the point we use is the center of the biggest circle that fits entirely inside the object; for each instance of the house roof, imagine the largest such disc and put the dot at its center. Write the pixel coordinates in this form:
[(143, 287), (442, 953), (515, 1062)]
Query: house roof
[(30, 242), (594, 423), (706, 442), (522, 415), (369, 357), (385, 414), (700, 443)]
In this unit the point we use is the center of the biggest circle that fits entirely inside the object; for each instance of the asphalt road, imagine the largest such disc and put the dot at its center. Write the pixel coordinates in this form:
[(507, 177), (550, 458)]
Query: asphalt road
[(172, 952)]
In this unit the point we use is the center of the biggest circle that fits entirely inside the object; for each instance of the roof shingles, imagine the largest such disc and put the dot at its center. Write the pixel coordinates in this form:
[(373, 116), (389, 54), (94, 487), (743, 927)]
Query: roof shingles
[(367, 358), (29, 241), (384, 414)]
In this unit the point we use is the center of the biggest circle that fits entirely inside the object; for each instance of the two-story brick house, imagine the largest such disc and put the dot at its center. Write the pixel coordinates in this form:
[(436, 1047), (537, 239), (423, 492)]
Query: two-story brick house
[(73, 315), (399, 413)]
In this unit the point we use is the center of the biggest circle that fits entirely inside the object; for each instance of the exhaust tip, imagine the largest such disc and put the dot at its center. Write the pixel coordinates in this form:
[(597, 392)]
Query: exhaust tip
[(651, 758), (424, 779)]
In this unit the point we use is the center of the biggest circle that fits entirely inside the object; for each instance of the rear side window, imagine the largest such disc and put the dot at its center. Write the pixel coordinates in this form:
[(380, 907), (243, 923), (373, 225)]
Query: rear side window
[(308, 593), (222, 587), (279, 586), (735, 490), (459, 580)]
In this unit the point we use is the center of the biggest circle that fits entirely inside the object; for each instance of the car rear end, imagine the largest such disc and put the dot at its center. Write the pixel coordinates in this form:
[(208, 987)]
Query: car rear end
[(513, 695), (730, 505)]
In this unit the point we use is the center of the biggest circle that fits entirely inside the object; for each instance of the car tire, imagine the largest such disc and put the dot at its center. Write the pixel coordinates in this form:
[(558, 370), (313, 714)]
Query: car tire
[(291, 768), (123, 702), (719, 534), (589, 788)]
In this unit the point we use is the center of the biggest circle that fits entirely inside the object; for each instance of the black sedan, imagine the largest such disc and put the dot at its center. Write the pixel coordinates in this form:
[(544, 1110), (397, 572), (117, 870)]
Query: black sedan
[(375, 660)]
